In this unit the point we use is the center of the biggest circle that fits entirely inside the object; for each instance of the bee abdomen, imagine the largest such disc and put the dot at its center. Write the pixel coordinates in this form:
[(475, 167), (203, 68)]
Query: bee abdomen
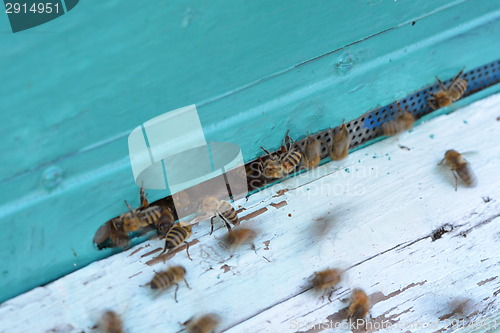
[(291, 160), (458, 89), (229, 212), (162, 280), (151, 215), (466, 175), (175, 236)]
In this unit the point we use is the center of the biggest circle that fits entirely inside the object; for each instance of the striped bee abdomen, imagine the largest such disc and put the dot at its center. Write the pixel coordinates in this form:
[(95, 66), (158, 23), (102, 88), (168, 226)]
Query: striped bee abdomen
[(291, 160), (466, 174), (228, 212), (162, 280), (150, 215), (458, 89), (177, 235)]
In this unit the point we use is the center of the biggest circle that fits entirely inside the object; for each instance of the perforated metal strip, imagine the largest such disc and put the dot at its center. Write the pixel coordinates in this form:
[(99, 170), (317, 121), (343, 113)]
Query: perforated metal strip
[(368, 126)]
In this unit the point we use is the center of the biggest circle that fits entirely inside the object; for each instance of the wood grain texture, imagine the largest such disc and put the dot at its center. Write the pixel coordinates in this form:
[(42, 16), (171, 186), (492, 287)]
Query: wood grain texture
[(374, 214)]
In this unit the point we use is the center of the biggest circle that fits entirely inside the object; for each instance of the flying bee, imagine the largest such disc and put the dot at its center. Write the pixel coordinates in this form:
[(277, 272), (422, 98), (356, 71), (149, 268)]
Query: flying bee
[(203, 324), (340, 146), (360, 305), (312, 153), (177, 235), (239, 236), (460, 167), (402, 122), (182, 203), (278, 167), (220, 208), (110, 323), (172, 276), (326, 279), (450, 94)]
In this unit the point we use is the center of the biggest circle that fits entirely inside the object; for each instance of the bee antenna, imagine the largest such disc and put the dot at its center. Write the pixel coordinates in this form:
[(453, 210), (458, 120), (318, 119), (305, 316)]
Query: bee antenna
[(129, 207), (265, 150)]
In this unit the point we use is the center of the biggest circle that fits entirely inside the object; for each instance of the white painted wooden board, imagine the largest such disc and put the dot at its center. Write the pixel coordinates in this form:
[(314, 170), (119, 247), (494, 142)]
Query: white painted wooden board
[(372, 214)]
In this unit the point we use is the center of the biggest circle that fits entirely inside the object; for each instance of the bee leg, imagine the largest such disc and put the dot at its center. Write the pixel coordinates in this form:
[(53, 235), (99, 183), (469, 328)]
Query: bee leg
[(164, 248), (187, 285), (175, 294), (228, 226), (212, 223), (252, 246), (330, 295), (456, 179), (187, 250), (142, 197), (456, 77)]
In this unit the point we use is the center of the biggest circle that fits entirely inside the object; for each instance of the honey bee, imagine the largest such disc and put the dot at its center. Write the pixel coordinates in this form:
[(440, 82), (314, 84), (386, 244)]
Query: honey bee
[(360, 305), (312, 153), (450, 94), (114, 233), (326, 279), (110, 323), (460, 167), (172, 276), (182, 203), (204, 324), (402, 122), (239, 236), (278, 167), (136, 219), (340, 146), (220, 208), (177, 235)]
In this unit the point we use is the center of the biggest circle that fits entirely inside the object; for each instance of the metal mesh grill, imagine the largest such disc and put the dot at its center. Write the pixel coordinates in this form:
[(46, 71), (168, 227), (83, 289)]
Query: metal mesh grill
[(368, 126)]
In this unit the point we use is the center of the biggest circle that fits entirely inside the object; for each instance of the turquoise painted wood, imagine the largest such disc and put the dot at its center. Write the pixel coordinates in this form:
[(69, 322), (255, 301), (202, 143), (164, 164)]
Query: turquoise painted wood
[(72, 89)]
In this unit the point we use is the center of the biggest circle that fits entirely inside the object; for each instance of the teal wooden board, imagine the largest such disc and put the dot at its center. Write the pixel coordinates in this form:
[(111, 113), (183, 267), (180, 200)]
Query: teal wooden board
[(74, 88)]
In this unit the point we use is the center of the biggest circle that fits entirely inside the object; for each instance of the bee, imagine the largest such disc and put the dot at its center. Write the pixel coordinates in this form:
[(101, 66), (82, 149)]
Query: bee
[(136, 219), (402, 122), (177, 235), (182, 203), (312, 153), (360, 305), (460, 167), (340, 146), (326, 279), (114, 233), (239, 236), (110, 323), (220, 208), (204, 324), (450, 94), (278, 167), (172, 276)]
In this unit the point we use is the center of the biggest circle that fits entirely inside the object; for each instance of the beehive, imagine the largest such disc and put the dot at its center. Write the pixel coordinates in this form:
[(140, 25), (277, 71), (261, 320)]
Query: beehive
[(254, 71)]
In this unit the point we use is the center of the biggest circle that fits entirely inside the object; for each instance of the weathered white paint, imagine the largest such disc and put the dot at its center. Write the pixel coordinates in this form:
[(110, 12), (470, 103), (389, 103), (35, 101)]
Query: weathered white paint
[(371, 214)]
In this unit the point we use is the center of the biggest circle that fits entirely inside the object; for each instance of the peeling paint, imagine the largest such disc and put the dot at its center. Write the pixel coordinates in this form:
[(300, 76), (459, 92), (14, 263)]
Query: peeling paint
[(279, 204)]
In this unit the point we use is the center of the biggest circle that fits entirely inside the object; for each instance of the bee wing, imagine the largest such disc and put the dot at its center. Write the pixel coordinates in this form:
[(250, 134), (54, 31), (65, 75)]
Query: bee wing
[(102, 234)]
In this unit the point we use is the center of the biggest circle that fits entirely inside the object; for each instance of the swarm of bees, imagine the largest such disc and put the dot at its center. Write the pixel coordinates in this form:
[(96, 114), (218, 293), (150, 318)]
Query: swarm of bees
[(291, 157)]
